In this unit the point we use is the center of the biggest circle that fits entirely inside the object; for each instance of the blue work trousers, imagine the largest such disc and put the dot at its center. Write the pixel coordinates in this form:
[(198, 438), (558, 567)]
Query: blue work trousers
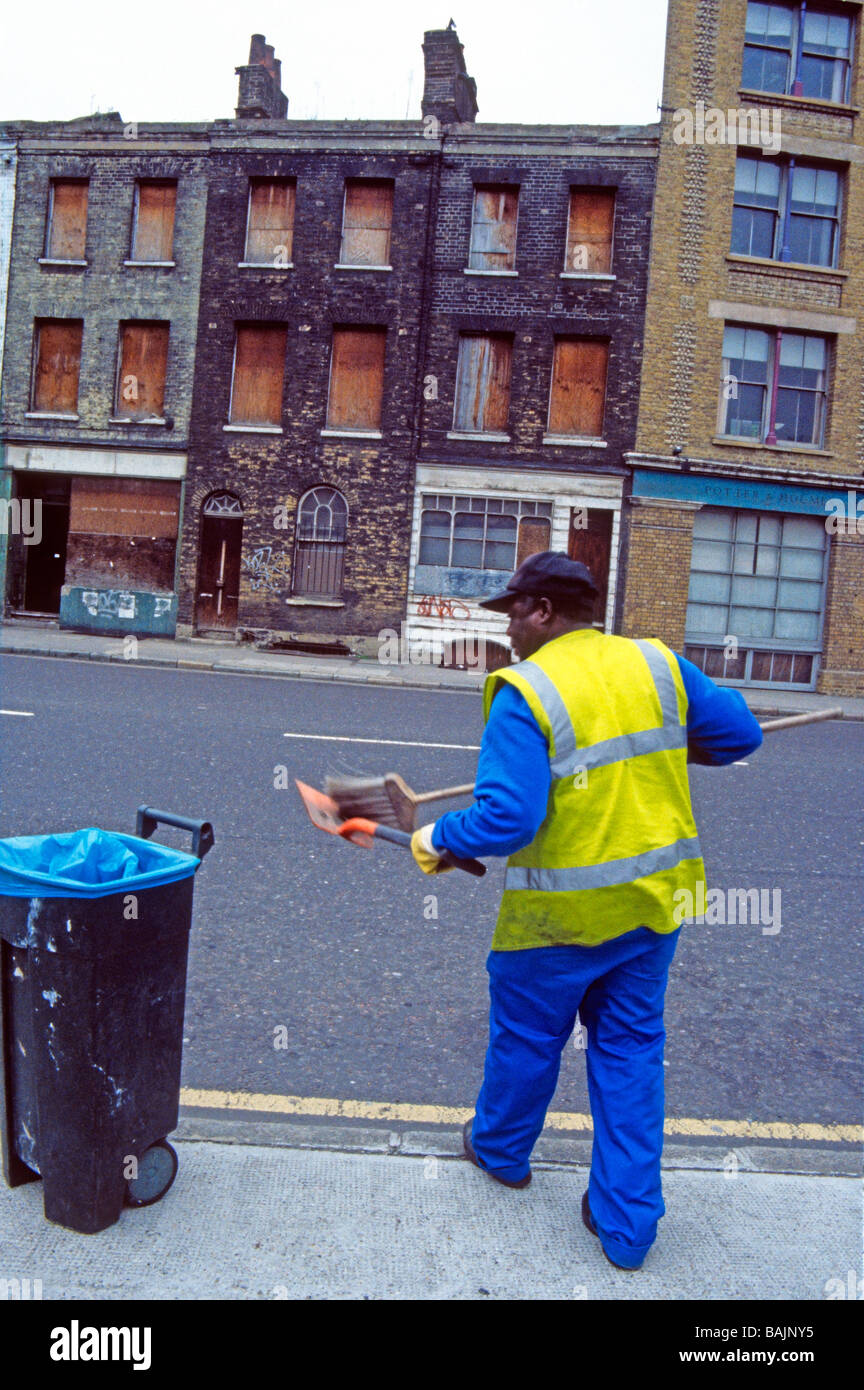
[(618, 988)]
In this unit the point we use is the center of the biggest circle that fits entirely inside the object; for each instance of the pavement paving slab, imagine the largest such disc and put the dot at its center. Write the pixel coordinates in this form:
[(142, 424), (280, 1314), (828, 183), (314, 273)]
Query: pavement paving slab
[(250, 1222)]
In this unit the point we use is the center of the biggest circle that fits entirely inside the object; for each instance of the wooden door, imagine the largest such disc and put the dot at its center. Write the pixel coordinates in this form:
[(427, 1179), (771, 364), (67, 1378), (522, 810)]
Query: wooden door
[(592, 544), (219, 572)]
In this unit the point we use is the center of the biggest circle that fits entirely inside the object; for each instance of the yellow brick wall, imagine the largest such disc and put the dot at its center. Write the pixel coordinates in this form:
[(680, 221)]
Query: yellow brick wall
[(691, 270), (661, 538), (843, 655)]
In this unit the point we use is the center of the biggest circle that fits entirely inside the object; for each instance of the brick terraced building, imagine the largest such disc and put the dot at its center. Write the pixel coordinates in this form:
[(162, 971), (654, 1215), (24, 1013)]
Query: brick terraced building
[(299, 488), (101, 326), (445, 302), (236, 343), (746, 547)]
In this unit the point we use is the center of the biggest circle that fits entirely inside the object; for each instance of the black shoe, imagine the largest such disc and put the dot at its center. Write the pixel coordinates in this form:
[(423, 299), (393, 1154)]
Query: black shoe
[(470, 1154), (588, 1221)]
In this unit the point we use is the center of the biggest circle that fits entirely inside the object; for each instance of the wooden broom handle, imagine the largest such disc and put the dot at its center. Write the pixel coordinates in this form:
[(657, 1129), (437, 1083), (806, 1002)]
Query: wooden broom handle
[(444, 793), (791, 719)]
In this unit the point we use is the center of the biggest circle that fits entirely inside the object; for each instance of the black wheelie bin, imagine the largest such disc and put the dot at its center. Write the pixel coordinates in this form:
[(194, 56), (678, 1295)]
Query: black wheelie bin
[(94, 933)]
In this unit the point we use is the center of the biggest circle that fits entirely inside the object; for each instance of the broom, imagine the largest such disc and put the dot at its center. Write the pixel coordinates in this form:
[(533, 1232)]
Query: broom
[(390, 801)]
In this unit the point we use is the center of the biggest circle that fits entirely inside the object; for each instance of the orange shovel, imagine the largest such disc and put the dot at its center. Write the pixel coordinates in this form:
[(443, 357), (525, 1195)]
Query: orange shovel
[(324, 813)]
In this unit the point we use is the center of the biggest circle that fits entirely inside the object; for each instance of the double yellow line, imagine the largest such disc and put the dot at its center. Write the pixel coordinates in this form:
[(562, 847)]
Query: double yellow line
[(252, 1102)]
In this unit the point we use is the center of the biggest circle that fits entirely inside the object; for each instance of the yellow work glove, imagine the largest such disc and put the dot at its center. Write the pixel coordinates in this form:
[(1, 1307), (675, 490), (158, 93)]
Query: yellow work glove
[(425, 853)]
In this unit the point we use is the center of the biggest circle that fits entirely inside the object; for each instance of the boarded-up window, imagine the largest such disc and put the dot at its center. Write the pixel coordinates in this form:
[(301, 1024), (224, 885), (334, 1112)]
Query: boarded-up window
[(493, 228), (153, 237), (366, 222), (122, 533), (270, 227), (589, 230), (57, 363), (534, 533), (578, 387), (125, 507), (259, 373), (483, 382), (356, 378), (67, 220), (141, 374)]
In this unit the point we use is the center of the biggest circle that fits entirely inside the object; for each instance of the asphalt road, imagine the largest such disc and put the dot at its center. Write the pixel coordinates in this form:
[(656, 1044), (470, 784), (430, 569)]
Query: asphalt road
[(383, 1001)]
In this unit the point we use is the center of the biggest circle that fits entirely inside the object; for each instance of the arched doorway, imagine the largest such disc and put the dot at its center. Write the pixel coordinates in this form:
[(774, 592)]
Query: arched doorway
[(219, 562)]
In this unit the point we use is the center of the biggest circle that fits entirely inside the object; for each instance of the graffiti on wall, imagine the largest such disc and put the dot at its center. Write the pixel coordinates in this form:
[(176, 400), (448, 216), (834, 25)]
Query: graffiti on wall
[(267, 570), (437, 606)]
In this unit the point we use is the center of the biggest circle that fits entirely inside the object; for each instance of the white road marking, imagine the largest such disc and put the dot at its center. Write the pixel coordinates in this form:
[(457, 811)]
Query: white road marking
[(402, 742), (21, 713), (743, 764)]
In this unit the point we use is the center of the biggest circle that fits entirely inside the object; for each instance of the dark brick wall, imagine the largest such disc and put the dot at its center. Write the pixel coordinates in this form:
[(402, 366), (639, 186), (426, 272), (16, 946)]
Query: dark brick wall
[(266, 471), (538, 304)]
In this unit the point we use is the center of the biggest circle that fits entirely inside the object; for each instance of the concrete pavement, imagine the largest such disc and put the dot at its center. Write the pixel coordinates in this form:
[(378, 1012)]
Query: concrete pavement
[(200, 654), (326, 1212)]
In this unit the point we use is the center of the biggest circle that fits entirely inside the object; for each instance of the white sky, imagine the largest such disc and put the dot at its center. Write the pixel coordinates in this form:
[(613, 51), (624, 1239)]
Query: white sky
[(547, 61)]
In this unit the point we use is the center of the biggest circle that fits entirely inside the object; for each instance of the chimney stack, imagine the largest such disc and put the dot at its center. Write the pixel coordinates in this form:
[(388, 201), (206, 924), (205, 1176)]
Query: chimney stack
[(449, 93), (260, 93)]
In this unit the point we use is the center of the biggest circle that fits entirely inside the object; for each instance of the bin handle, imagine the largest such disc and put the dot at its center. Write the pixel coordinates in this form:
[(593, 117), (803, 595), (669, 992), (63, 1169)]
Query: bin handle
[(202, 830)]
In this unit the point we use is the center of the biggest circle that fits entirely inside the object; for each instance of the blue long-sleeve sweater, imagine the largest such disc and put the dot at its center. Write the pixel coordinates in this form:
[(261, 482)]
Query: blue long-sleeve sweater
[(511, 790)]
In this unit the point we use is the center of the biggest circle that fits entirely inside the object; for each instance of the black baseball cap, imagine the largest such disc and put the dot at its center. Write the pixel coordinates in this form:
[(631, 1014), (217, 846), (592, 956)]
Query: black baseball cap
[(551, 574)]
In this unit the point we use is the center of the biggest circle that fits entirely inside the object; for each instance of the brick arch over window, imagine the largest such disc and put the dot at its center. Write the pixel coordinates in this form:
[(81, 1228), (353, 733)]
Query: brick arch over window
[(319, 544)]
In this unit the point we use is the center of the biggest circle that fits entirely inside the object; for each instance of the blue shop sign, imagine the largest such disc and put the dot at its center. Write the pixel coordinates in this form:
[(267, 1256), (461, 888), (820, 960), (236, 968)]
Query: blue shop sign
[(735, 492)]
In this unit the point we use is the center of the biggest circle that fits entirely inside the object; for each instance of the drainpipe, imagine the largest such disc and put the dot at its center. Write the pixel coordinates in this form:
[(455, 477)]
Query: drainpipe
[(786, 213), (797, 84), (771, 437)]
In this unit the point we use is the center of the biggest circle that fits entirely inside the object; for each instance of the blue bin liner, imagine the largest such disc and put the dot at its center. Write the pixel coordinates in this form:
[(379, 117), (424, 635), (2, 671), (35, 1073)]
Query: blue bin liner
[(87, 863)]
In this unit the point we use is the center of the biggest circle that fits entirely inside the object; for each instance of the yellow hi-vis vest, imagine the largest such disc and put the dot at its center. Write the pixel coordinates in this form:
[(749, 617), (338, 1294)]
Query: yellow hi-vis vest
[(619, 839)]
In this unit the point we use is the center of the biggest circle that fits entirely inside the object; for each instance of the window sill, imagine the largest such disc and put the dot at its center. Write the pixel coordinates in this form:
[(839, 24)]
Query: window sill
[(839, 108), (167, 264), (586, 275), (501, 274), (264, 265), (736, 442), (253, 429), (351, 434), (315, 602), (479, 437), (56, 260), (127, 420), (349, 265), (48, 415), (800, 268), (576, 441)]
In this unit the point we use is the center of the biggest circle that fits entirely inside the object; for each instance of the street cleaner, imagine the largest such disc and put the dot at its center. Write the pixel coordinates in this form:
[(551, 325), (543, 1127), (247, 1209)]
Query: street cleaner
[(582, 783)]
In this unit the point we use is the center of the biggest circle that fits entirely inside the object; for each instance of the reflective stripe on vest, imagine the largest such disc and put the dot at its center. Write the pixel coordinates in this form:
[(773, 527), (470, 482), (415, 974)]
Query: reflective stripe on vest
[(603, 875), (568, 758)]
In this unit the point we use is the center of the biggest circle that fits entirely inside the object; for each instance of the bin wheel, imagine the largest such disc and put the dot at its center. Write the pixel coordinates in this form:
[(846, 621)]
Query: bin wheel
[(157, 1169)]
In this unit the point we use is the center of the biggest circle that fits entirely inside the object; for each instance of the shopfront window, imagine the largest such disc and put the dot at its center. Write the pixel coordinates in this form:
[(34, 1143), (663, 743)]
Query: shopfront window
[(756, 597), (484, 533)]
